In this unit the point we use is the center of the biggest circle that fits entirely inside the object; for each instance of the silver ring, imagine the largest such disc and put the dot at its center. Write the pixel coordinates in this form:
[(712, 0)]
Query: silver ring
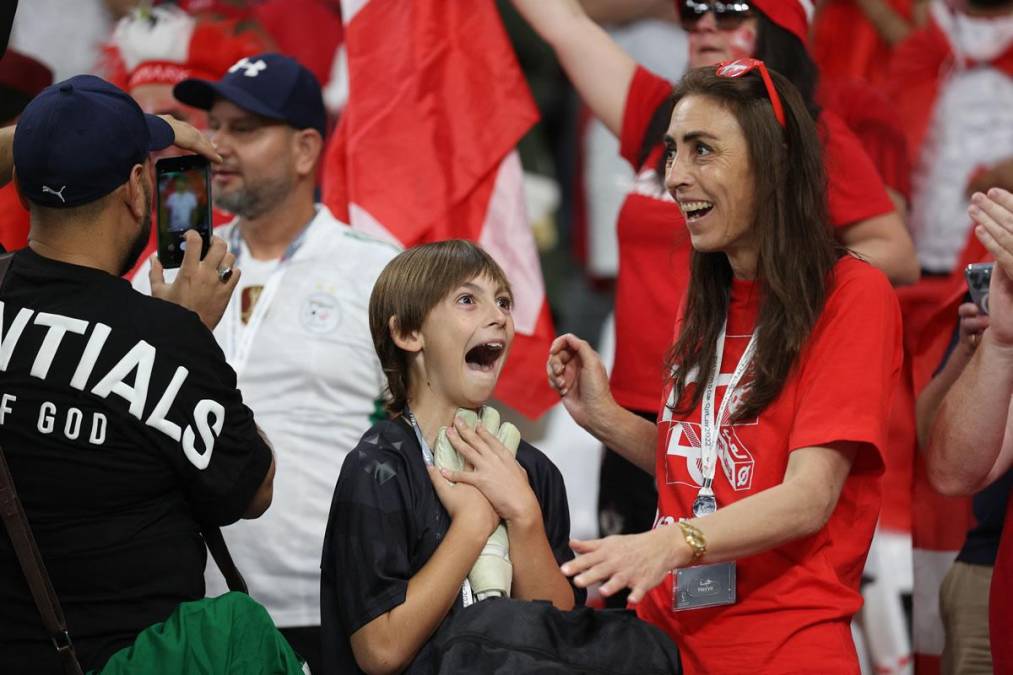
[(224, 274)]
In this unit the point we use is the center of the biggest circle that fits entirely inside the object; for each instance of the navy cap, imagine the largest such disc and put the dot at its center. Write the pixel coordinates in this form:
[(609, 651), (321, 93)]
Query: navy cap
[(270, 85), (78, 140)]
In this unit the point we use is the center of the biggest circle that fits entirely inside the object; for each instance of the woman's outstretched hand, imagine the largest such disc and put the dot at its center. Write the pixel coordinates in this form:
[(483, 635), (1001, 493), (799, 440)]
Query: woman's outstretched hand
[(635, 561), (576, 372)]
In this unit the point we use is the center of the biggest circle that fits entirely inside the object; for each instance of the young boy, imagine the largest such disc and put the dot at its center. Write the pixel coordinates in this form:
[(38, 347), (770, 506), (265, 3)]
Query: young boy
[(401, 538)]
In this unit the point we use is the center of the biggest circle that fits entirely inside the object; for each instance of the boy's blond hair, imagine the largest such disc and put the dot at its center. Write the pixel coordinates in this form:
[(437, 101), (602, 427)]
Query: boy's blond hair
[(408, 288)]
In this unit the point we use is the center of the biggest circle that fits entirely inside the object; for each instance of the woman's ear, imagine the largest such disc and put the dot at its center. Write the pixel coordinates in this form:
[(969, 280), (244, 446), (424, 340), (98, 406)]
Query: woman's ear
[(411, 342)]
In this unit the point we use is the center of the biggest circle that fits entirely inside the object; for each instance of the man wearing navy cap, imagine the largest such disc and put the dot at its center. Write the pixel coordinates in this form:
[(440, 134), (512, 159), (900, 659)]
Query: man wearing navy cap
[(119, 418), (297, 332)]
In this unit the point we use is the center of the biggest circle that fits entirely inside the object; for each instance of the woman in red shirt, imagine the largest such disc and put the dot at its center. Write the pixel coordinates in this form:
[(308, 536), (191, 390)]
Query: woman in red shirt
[(769, 447), (653, 247)]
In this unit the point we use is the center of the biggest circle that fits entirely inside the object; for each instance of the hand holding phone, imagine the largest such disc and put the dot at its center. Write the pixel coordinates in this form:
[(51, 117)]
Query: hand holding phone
[(979, 277), (199, 285), (973, 323), (184, 203)]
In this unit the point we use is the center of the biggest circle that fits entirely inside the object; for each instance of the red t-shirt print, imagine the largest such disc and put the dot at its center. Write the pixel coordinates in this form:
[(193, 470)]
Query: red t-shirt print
[(794, 603), (654, 247)]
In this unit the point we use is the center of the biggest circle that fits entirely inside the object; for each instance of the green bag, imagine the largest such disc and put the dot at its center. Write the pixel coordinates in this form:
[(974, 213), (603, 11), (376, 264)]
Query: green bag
[(229, 634)]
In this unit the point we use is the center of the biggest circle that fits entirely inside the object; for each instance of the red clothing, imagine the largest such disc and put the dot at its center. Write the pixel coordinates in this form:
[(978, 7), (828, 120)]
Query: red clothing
[(869, 114), (291, 22), (1000, 603), (654, 246), (846, 45), (918, 71), (14, 221), (794, 603)]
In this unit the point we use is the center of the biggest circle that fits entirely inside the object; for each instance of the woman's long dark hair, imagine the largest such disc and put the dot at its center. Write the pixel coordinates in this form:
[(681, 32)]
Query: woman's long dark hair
[(782, 51), (797, 251)]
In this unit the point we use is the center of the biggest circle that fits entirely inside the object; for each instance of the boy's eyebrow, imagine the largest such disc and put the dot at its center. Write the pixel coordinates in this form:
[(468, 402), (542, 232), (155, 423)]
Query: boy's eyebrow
[(475, 287)]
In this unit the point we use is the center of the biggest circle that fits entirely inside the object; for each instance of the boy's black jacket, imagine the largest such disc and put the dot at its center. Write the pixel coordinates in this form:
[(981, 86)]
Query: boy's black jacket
[(386, 521)]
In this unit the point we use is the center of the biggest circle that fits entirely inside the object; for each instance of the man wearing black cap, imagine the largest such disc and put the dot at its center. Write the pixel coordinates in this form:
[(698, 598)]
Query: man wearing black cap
[(297, 331), (119, 418)]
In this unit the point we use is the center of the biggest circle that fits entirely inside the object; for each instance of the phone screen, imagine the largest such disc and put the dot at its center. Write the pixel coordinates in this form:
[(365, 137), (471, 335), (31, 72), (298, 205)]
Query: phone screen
[(184, 203)]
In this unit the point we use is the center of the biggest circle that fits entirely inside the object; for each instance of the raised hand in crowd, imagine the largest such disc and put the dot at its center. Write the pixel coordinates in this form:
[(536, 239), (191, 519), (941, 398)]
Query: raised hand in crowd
[(966, 445), (202, 286), (891, 25), (993, 216), (628, 11)]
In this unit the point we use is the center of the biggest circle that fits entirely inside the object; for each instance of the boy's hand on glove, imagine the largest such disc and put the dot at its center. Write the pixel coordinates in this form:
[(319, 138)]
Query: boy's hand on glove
[(480, 454), (465, 504), (494, 469)]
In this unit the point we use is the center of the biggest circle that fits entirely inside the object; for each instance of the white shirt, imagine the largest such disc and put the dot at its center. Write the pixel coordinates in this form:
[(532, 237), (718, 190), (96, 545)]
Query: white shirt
[(312, 380), (663, 48), (66, 36), (181, 205), (255, 276), (971, 127)]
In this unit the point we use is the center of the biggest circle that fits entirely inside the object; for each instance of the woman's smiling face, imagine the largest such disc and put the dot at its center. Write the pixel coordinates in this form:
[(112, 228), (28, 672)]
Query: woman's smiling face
[(710, 175)]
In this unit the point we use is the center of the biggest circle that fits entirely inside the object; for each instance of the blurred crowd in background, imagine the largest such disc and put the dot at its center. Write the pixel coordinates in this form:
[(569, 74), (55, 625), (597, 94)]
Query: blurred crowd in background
[(925, 85)]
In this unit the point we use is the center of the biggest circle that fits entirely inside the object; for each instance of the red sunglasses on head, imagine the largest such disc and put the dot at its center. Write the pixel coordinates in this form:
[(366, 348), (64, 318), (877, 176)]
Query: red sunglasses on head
[(740, 67)]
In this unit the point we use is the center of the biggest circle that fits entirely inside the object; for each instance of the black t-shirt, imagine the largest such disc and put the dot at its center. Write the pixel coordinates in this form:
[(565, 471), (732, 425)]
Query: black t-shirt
[(386, 521), (982, 544), (123, 428)]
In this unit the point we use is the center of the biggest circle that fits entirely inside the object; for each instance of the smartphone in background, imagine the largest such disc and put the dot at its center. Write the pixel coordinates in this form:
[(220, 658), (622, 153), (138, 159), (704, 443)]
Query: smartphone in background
[(979, 276), (184, 203)]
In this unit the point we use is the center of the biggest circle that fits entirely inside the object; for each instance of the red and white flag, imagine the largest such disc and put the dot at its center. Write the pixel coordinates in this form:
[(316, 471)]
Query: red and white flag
[(425, 151)]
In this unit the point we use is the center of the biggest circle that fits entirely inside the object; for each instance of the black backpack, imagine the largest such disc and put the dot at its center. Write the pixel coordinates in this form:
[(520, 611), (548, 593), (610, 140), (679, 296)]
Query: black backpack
[(504, 636)]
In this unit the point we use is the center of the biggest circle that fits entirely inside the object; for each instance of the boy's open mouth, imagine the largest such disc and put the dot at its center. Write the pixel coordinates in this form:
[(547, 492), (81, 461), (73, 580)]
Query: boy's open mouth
[(484, 356)]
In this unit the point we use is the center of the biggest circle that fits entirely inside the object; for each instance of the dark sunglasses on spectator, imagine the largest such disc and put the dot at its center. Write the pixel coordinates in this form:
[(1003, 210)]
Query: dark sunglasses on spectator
[(727, 15), (740, 67)]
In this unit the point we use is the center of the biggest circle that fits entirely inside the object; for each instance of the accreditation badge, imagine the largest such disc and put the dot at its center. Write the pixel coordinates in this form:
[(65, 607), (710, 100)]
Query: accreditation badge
[(704, 586)]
